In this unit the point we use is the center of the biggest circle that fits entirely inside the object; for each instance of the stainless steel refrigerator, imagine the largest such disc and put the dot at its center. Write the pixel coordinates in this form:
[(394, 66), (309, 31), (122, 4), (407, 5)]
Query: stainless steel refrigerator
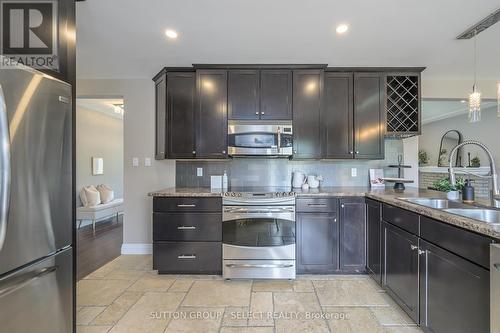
[(36, 264)]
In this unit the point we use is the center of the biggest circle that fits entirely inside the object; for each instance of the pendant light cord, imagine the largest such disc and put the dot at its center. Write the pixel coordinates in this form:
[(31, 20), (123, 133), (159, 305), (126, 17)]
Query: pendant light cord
[(475, 61)]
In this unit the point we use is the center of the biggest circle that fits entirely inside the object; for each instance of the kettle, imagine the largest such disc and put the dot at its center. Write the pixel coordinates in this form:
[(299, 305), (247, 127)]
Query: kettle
[(298, 179)]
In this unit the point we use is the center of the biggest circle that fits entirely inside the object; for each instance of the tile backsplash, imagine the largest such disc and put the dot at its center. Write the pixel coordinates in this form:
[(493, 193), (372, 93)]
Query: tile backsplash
[(278, 172)]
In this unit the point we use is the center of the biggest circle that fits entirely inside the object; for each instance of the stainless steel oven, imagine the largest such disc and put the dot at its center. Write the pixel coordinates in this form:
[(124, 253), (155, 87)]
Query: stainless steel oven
[(258, 235), (260, 138)]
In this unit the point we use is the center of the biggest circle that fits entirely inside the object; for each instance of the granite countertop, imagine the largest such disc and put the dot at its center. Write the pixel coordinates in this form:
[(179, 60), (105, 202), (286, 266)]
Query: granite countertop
[(388, 196)]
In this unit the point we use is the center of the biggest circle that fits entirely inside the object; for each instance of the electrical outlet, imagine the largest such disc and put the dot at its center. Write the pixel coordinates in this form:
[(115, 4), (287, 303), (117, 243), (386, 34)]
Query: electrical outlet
[(135, 162), (147, 161), (199, 172), (354, 172)]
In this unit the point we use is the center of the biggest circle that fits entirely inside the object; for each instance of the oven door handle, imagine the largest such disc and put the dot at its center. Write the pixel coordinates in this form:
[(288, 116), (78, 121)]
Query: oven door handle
[(259, 265), (258, 211)]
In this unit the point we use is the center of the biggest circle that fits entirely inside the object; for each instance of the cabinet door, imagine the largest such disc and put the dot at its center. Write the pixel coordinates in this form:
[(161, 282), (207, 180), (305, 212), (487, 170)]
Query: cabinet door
[(317, 242), (454, 293), (307, 90), (352, 235), (243, 94), (369, 115), (211, 114), (181, 93), (160, 114), (374, 231), (276, 94), (337, 116), (400, 278)]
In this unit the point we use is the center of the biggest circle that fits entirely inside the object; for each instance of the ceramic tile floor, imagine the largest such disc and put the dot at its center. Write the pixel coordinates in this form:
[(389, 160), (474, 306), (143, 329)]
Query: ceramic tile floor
[(126, 296)]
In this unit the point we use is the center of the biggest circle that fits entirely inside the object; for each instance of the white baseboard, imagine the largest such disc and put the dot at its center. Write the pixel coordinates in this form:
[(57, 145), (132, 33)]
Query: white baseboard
[(137, 248)]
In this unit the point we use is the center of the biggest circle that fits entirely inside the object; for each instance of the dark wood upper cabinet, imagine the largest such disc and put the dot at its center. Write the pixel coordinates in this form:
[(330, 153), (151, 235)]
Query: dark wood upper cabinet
[(276, 94), (307, 93), (243, 94), (211, 114), (352, 235), (337, 116), (181, 97), (369, 115), (160, 115)]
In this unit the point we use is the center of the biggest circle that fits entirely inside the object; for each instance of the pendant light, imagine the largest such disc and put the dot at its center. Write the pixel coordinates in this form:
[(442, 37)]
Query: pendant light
[(475, 95)]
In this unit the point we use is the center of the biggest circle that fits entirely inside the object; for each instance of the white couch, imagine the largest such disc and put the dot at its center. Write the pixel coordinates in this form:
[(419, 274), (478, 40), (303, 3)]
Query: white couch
[(101, 211)]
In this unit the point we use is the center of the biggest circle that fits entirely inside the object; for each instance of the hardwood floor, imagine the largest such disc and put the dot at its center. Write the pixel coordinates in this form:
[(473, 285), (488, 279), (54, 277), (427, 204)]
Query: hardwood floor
[(94, 251)]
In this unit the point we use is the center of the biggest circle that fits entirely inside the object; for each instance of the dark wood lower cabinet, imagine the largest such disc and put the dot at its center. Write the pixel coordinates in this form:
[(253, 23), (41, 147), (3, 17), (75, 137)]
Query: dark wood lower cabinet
[(400, 256), (352, 235), (454, 294), (373, 239), (187, 257), (317, 243)]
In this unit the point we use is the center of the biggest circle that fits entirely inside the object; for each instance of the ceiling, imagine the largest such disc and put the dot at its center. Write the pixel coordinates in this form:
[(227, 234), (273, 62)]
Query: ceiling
[(435, 110), (126, 39), (103, 105)]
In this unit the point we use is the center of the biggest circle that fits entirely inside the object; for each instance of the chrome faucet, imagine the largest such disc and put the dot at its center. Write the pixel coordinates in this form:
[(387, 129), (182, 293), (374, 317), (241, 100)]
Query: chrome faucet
[(495, 193)]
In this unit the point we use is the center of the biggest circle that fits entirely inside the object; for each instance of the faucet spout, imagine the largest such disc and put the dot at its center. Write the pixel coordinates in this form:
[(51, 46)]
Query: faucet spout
[(495, 193)]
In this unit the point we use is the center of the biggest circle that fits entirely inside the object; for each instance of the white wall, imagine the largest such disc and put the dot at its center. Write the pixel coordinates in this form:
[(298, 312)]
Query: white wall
[(99, 135), (139, 133), (485, 131)]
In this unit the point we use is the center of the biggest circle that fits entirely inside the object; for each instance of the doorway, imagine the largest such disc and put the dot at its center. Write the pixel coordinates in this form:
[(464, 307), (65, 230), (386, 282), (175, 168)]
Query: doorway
[(99, 182)]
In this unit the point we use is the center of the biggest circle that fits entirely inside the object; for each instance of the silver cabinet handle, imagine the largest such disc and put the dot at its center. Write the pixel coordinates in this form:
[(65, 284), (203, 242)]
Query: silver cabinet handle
[(194, 152), (316, 205), (342, 205), (413, 247), (186, 205), (335, 220), (421, 252), (357, 151), (186, 256), (259, 265), (5, 173), (278, 139), (257, 113), (262, 113), (186, 227), (351, 152), (223, 151)]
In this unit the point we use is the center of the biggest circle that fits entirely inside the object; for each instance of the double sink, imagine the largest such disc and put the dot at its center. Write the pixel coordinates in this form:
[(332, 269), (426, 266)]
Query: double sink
[(490, 216)]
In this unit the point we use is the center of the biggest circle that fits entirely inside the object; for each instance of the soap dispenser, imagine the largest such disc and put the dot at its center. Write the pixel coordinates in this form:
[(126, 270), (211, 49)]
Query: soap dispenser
[(468, 192)]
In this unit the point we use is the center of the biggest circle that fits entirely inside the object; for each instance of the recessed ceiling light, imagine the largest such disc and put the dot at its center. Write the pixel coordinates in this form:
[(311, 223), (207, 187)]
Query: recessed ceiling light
[(172, 34), (342, 28)]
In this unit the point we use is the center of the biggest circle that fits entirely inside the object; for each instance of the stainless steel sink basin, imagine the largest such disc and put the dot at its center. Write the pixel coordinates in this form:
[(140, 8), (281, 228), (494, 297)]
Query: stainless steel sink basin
[(437, 203), (486, 215)]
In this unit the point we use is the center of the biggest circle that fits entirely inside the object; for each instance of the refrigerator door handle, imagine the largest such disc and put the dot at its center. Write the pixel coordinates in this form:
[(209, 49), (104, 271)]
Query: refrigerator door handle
[(25, 279), (5, 174)]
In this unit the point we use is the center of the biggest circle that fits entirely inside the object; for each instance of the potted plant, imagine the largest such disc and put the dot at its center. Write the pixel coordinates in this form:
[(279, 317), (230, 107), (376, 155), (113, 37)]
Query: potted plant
[(475, 162), (444, 185)]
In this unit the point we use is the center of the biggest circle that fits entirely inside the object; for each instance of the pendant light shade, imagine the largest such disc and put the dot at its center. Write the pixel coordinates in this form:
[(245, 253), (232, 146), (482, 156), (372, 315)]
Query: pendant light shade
[(475, 95)]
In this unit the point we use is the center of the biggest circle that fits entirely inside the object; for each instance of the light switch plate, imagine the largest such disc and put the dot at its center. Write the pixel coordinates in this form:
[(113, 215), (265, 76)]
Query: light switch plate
[(199, 172), (354, 172), (135, 161), (147, 161)]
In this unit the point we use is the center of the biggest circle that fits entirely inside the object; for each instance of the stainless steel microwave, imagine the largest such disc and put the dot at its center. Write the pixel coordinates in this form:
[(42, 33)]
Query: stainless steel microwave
[(260, 138)]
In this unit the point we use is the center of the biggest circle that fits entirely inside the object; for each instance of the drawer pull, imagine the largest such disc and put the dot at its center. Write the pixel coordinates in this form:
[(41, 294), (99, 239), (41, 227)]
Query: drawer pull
[(421, 252), (186, 256), (186, 227), (413, 247), (186, 205), (259, 265), (316, 205)]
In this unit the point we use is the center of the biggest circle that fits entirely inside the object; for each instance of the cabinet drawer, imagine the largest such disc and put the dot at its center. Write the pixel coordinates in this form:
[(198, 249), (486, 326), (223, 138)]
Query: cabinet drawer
[(466, 244), (402, 218), (187, 204), (187, 226), (311, 205), (188, 257)]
